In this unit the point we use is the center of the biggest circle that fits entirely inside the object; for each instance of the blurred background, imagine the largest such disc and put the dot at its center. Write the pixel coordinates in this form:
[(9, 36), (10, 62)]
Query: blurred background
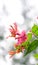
[(25, 14)]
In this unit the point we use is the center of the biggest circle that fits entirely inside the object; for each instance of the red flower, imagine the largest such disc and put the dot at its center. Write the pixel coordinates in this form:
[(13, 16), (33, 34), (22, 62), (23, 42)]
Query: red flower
[(11, 53), (13, 30), (21, 38)]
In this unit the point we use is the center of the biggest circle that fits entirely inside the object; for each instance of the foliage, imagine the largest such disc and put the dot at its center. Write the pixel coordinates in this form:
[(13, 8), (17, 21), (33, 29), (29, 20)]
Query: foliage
[(36, 55)]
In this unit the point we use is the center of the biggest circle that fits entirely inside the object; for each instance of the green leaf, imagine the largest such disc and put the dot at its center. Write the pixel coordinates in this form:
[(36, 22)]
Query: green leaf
[(35, 29), (29, 36), (25, 44), (32, 46), (36, 33), (36, 56), (37, 64)]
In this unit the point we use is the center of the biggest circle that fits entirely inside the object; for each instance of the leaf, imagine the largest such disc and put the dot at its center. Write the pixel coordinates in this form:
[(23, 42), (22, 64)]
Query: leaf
[(24, 44), (36, 56), (37, 64), (36, 32), (35, 29), (32, 46), (29, 36)]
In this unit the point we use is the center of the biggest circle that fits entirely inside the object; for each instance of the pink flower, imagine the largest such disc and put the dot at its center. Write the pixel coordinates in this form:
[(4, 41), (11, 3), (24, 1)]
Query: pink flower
[(13, 30), (22, 37)]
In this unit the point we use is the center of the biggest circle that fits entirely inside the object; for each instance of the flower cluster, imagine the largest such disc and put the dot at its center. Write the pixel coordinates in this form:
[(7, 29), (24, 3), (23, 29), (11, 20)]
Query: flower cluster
[(24, 41)]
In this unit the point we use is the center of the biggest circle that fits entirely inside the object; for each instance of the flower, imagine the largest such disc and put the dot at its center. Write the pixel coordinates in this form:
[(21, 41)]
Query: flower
[(13, 30), (11, 53), (21, 38)]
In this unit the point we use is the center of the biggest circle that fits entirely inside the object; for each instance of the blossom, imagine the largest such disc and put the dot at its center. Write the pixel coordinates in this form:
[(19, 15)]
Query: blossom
[(11, 53), (21, 38), (13, 30)]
